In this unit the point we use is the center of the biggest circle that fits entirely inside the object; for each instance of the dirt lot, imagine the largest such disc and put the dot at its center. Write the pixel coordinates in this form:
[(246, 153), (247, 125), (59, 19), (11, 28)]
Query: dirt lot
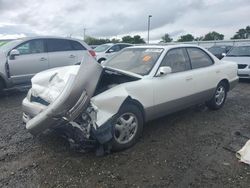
[(181, 150)]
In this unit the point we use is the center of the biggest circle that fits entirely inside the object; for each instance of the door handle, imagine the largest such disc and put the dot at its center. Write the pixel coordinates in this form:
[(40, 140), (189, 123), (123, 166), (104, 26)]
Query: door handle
[(189, 78), (72, 56), (43, 59)]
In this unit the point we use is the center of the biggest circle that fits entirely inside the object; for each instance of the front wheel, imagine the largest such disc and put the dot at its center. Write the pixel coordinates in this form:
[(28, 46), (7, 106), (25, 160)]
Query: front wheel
[(128, 126), (219, 97)]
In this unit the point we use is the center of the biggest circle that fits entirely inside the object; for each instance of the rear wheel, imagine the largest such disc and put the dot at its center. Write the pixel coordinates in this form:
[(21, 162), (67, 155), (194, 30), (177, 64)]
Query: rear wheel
[(219, 97), (128, 126)]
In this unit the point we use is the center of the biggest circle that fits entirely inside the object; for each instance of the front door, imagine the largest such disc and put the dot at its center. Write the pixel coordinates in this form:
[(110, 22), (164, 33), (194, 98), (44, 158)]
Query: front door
[(32, 59), (174, 91)]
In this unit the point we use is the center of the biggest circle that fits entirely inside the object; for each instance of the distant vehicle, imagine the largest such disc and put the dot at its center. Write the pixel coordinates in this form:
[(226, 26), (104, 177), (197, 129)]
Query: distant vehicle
[(105, 51), (22, 58), (109, 103), (218, 50), (240, 55)]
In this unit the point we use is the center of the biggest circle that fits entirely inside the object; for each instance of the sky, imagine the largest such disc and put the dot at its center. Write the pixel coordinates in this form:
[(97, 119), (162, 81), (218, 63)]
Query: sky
[(116, 18)]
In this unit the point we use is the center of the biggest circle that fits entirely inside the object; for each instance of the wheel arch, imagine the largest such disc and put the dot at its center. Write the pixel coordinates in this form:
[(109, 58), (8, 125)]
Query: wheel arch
[(226, 82), (130, 100)]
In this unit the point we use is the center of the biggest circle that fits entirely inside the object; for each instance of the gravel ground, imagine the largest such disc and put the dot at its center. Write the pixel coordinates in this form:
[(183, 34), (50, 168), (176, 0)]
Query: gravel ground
[(181, 150)]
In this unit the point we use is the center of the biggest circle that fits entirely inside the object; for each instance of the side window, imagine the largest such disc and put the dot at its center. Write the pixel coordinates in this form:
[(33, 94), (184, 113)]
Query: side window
[(124, 46), (58, 45), (31, 47), (77, 46), (199, 58), (177, 59), (115, 48)]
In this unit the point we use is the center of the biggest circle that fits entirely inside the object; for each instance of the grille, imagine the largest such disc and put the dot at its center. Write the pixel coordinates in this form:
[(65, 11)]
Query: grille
[(242, 66)]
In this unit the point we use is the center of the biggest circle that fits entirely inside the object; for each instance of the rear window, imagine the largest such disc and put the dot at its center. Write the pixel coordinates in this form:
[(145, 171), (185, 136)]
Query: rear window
[(57, 45), (77, 46), (199, 58)]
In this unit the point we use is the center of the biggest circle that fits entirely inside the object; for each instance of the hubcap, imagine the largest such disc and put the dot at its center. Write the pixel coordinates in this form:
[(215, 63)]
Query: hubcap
[(220, 95), (125, 128)]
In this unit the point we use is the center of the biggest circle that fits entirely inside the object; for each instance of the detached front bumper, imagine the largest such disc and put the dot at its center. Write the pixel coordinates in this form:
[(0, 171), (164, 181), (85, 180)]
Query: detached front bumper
[(101, 134)]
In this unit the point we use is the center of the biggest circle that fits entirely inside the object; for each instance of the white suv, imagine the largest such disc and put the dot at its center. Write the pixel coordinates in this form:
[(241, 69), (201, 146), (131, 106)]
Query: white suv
[(22, 58), (105, 51)]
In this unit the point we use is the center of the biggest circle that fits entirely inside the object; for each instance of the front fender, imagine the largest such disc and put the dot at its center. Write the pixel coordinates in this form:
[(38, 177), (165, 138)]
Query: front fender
[(108, 103)]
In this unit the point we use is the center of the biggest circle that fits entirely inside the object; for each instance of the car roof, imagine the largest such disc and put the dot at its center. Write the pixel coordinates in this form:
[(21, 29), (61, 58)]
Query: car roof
[(166, 47)]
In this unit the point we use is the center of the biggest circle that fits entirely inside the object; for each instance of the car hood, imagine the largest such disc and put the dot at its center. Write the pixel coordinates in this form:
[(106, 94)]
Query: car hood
[(67, 90), (238, 60), (50, 83)]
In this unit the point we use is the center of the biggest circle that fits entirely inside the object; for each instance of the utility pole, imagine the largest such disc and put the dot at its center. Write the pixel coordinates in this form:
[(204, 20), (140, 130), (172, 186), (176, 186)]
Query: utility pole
[(84, 33), (149, 16)]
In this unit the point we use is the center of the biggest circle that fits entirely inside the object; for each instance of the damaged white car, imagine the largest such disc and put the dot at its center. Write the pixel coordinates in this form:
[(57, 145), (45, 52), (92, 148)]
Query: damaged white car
[(107, 105)]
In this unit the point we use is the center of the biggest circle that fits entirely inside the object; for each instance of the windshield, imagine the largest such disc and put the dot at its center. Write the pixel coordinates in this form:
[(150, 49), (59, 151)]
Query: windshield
[(136, 60), (240, 51), (7, 46), (102, 48)]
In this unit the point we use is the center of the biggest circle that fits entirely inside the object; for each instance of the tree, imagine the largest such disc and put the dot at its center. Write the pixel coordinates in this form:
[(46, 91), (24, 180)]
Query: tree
[(242, 33), (127, 39), (133, 40), (94, 41), (213, 36), (166, 38), (114, 40), (185, 38), (199, 38), (138, 40)]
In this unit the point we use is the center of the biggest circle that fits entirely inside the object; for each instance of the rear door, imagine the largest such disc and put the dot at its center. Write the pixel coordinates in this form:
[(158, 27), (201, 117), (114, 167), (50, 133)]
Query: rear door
[(33, 58), (61, 53), (79, 49), (205, 74)]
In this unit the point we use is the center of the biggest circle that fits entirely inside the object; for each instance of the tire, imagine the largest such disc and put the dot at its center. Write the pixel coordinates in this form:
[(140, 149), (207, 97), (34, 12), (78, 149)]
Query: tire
[(2, 86), (127, 127), (219, 97)]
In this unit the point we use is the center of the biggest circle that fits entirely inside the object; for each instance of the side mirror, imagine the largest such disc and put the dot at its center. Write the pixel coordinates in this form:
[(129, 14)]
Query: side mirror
[(14, 53), (164, 71), (110, 51), (223, 54)]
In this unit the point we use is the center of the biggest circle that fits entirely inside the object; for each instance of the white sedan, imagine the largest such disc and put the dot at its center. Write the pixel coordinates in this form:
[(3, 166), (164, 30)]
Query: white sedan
[(109, 103)]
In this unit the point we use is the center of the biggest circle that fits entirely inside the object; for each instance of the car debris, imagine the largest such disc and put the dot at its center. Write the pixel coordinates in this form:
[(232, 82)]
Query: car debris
[(244, 153)]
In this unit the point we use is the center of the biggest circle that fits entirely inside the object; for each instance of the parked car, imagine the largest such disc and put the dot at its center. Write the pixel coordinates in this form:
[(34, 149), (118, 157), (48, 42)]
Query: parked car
[(105, 51), (23, 58), (109, 103), (240, 55), (219, 50)]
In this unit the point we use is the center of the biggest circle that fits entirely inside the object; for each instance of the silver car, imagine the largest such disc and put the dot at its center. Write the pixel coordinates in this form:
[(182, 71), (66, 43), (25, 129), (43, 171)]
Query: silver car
[(110, 103), (241, 56), (23, 58)]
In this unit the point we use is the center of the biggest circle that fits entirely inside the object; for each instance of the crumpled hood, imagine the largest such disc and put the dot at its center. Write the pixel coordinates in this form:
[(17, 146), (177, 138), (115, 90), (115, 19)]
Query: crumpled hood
[(50, 83)]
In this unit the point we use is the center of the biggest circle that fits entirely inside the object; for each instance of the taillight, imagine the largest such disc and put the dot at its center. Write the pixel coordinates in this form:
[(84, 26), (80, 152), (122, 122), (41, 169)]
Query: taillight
[(92, 52)]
